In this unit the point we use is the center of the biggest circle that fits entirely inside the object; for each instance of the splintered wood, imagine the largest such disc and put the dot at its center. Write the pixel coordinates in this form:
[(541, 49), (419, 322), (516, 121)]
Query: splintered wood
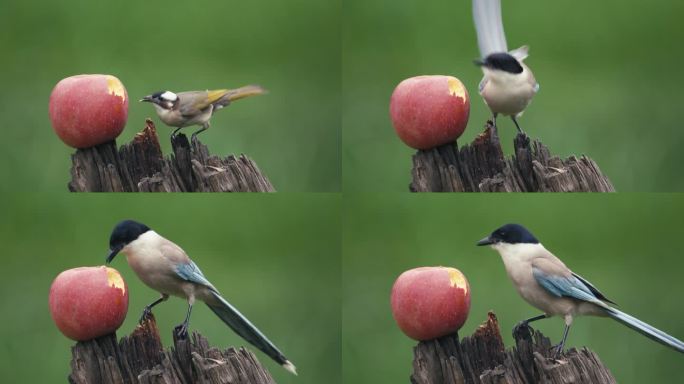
[(483, 359), (141, 358), (140, 166), (482, 167)]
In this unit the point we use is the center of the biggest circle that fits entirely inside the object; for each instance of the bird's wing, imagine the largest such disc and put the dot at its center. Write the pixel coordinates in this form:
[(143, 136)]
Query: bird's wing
[(489, 27), (562, 284), (483, 84), (194, 102), (189, 271), (520, 53), (593, 289)]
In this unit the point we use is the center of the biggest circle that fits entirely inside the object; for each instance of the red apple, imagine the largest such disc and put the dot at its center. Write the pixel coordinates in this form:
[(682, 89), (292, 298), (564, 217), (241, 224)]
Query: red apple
[(430, 302), (87, 110), (88, 302), (428, 111)]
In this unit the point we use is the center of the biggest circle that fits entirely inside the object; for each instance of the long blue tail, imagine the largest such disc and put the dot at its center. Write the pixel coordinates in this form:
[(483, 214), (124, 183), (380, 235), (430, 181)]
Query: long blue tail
[(646, 330), (243, 327)]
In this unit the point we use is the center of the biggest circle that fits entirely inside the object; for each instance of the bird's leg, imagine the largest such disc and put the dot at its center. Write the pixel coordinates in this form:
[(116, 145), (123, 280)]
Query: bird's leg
[(523, 329), (175, 132), (205, 126), (559, 347), (516, 124), (182, 329), (494, 114), (148, 308)]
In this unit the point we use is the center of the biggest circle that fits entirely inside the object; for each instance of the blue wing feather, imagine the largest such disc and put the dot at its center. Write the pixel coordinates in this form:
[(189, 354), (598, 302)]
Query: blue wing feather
[(561, 286), (191, 272)]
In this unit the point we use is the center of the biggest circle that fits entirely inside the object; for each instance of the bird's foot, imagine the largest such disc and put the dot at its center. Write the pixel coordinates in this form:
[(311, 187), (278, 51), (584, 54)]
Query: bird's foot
[(558, 350), (181, 331), (522, 330), (147, 312)]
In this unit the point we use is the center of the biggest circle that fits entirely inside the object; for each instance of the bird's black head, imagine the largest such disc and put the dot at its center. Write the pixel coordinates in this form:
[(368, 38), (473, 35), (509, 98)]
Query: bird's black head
[(510, 234), (164, 99), (502, 61), (123, 233)]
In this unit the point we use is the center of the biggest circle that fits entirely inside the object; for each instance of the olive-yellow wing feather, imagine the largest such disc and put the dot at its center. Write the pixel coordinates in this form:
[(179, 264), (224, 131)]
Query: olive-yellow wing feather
[(194, 102)]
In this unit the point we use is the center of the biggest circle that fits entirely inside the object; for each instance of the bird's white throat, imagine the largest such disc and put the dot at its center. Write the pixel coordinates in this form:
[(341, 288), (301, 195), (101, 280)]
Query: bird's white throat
[(518, 252)]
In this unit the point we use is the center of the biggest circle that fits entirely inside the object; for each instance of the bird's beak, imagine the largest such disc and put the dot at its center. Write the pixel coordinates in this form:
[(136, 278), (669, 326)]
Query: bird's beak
[(147, 98), (112, 253), (479, 62), (486, 241)]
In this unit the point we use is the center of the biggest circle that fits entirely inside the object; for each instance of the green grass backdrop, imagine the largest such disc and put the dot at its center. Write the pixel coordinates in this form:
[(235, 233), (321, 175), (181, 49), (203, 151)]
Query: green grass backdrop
[(276, 258), (610, 75), (626, 245), (291, 48)]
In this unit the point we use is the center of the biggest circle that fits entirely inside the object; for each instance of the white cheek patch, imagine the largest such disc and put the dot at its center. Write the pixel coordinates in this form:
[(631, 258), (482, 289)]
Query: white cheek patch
[(170, 96)]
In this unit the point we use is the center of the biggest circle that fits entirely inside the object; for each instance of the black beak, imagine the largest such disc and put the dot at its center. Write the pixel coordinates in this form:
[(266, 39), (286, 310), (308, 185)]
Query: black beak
[(479, 62), (112, 253), (486, 241), (147, 98)]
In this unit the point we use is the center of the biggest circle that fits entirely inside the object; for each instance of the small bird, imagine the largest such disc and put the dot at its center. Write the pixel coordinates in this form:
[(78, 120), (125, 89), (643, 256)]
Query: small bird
[(547, 284), (166, 268), (196, 107), (508, 84)]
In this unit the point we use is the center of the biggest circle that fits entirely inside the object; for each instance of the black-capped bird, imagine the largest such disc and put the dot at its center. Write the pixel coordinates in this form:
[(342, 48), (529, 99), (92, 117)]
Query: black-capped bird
[(545, 282), (166, 268), (508, 84)]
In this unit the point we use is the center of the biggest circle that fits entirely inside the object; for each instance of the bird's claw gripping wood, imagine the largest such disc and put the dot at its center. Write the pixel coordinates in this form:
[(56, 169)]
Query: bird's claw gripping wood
[(145, 315), (181, 331), (558, 351), (522, 330)]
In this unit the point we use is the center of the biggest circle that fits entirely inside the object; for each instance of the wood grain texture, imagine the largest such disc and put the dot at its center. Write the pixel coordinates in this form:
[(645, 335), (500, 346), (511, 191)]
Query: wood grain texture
[(140, 166), (482, 167), (483, 359), (141, 358)]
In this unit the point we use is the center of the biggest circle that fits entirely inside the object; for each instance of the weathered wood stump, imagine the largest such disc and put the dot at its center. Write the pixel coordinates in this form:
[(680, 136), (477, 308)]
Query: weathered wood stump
[(482, 358), (141, 358), (482, 167), (140, 166)]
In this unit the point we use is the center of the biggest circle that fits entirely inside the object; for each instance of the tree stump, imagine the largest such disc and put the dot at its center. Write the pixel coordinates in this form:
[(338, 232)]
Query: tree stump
[(141, 358), (140, 166), (482, 358), (482, 167)]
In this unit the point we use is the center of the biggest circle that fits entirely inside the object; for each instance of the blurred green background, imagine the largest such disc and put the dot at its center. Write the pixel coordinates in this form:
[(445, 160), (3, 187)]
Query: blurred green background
[(292, 48), (276, 258), (610, 75), (625, 244)]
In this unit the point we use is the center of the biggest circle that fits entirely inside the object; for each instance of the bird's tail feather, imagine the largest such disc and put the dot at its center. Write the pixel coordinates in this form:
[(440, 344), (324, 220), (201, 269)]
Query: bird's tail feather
[(646, 330), (246, 91), (243, 327), (489, 27)]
